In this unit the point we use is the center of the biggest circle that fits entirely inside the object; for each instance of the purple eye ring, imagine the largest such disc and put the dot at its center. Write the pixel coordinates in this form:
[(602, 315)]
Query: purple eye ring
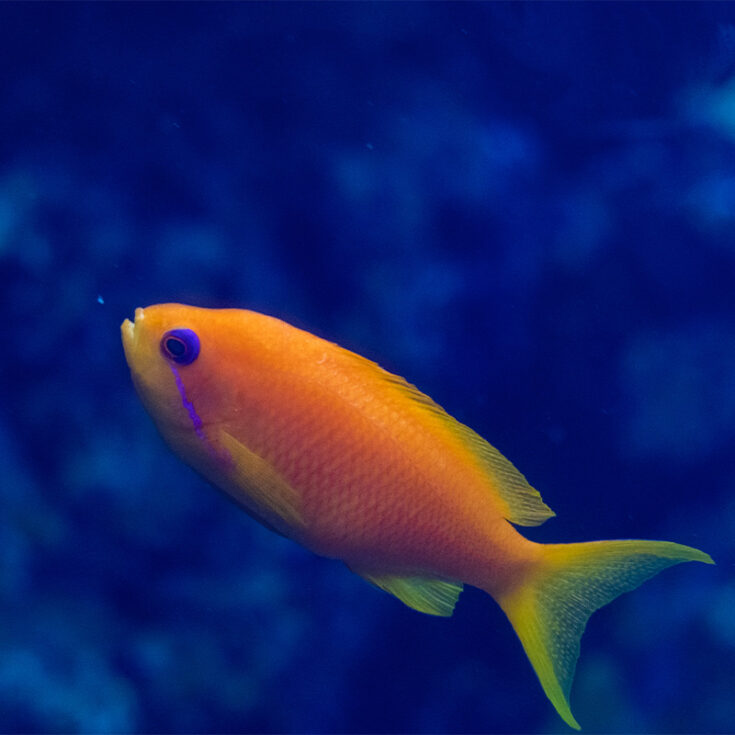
[(180, 346)]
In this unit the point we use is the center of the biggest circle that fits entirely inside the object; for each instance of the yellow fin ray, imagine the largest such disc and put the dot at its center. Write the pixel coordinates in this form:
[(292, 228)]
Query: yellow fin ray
[(550, 610), (523, 503), (275, 502), (430, 596)]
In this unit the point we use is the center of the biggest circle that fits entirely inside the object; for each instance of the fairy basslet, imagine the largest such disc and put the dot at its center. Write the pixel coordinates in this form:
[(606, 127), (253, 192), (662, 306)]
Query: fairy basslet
[(354, 463)]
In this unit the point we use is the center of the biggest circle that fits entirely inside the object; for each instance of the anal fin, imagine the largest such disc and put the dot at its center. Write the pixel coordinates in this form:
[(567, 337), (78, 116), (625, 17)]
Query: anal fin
[(427, 595)]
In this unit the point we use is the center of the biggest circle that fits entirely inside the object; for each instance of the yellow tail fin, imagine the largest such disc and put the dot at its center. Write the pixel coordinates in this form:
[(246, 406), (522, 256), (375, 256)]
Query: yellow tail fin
[(550, 609)]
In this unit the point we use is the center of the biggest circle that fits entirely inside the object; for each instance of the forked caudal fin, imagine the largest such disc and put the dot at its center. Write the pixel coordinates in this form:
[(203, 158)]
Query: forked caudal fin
[(550, 609)]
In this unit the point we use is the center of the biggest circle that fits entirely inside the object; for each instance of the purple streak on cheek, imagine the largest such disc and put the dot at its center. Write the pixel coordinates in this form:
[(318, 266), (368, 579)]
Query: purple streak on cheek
[(188, 405), (220, 456)]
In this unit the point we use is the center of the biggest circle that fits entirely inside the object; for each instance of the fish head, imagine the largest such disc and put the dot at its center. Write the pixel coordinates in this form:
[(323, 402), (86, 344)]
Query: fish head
[(198, 371), (170, 354), (178, 357), (206, 377)]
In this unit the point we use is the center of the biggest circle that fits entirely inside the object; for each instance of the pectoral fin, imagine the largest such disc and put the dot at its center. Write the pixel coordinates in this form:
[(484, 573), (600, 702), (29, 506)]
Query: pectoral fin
[(431, 596), (268, 496)]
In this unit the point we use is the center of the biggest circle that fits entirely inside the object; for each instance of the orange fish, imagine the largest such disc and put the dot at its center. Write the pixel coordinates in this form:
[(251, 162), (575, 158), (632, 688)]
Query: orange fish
[(354, 463)]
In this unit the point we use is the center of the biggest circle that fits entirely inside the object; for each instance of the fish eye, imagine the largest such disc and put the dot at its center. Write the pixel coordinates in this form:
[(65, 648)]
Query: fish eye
[(180, 346)]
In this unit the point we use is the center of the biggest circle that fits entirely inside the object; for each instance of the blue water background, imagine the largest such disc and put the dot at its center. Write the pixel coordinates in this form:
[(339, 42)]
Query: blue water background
[(526, 209)]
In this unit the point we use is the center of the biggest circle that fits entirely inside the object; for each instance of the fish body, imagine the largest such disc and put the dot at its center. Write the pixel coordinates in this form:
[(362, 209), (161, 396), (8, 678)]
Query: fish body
[(354, 463)]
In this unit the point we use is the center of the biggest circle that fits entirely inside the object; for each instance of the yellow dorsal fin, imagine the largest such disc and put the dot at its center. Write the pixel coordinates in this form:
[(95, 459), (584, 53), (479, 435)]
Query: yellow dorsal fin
[(431, 596), (523, 503), (269, 497)]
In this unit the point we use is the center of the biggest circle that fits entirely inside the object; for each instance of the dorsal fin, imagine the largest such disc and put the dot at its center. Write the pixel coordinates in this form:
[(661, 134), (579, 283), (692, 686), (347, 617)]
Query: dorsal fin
[(524, 505)]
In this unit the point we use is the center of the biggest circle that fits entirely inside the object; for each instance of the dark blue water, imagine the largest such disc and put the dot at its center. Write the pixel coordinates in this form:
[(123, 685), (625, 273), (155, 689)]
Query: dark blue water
[(528, 210)]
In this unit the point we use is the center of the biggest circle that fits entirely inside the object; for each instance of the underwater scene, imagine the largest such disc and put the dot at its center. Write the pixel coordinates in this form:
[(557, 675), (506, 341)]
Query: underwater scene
[(526, 210)]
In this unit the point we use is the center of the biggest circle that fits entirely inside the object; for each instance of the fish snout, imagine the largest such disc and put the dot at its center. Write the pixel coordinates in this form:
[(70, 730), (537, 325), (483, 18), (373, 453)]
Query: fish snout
[(130, 333)]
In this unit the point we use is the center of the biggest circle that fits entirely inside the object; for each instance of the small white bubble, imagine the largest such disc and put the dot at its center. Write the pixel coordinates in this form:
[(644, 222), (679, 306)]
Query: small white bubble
[(100, 300)]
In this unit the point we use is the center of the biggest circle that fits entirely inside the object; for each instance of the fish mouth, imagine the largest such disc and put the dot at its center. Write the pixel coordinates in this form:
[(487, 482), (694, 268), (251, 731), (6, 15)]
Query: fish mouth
[(130, 334)]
